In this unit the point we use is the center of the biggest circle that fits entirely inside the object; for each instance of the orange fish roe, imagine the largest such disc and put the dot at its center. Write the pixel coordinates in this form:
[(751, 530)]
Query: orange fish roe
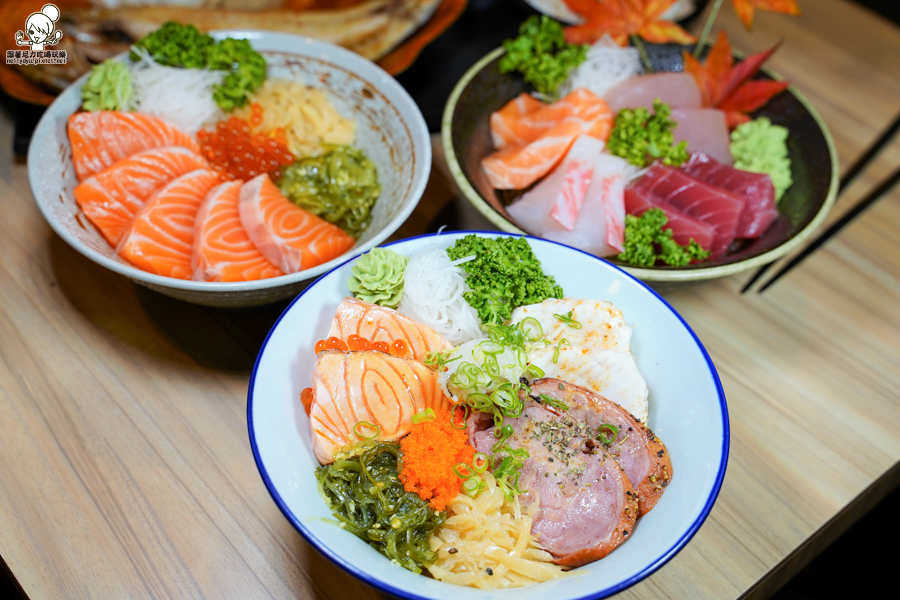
[(429, 453), (236, 153)]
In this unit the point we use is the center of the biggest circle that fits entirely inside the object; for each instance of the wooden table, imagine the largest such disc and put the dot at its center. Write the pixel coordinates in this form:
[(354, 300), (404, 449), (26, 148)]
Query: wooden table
[(125, 468)]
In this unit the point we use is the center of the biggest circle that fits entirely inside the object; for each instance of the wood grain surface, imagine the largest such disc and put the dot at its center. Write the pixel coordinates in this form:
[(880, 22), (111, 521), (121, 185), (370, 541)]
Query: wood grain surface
[(125, 467)]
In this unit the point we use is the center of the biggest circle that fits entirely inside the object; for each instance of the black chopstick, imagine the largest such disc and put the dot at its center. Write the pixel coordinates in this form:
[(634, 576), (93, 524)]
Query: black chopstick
[(846, 179), (883, 188)]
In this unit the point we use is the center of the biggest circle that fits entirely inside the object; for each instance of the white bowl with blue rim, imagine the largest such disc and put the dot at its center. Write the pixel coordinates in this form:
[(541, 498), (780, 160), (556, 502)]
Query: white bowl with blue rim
[(687, 411)]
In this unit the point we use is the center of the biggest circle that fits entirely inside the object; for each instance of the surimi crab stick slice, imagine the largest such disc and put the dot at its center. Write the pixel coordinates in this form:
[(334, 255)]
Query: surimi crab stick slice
[(287, 235), (385, 391), (112, 197), (102, 137), (381, 324), (161, 238), (222, 249)]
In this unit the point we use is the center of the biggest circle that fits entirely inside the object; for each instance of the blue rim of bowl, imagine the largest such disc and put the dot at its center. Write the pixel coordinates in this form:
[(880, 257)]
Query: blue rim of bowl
[(386, 587)]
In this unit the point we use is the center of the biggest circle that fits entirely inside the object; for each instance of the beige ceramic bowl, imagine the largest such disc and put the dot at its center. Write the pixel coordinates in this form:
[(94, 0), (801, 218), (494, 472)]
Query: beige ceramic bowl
[(802, 210), (390, 128)]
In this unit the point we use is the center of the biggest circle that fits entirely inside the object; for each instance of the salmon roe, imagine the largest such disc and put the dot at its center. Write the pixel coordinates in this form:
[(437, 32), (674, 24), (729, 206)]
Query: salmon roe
[(306, 397), (235, 152)]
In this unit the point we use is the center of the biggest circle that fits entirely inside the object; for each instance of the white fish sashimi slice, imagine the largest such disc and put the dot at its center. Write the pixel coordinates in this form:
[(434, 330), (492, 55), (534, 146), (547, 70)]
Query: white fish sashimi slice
[(674, 89), (614, 375), (532, 210), (704, 130), (603, 326), (600, 227)]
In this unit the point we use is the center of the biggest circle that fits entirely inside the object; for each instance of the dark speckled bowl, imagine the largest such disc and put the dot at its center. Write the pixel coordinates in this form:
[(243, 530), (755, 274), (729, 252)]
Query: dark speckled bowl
[(814, 166)]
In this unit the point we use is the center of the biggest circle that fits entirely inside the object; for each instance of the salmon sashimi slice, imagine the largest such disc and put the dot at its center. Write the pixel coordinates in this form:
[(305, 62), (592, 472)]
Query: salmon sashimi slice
[(517, 167), (102, 137), (381, 324), (292, 238), (524, 122), (371, 386), (112, 197), (222, 249), (161, 238), (505, 129)]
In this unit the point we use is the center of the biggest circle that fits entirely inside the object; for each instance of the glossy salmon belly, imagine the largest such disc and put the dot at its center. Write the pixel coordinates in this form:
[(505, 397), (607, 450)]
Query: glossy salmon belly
[(161, 238), (507, 128), (112, 197), (290, 237), (101, 138), (371, 387), (222, 249), (381, 324)]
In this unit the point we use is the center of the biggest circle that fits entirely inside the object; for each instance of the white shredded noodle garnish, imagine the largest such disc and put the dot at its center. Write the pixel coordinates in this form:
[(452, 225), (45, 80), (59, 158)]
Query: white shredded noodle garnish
[(433, 294), (606, 65)]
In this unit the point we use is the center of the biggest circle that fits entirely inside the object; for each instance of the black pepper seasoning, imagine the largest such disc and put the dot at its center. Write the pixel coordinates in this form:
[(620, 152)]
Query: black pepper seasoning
[(490, 571)]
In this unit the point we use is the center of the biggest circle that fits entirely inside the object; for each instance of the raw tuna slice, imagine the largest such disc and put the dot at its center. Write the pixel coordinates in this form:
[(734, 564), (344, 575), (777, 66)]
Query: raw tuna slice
[(517, 167), (505, 128), (714, 206), (684, 228), (581, 203), (675, 89), (755, 188), (704, 130)]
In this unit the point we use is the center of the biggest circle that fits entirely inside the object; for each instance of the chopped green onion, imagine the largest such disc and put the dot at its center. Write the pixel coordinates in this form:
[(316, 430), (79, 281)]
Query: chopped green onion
[(532, 329), (473, 485), (465, 417), (422, 416), (480, 462), (359, 434), (460, 475), (558, 346), (614, 431), (536, 371), (568, 320), (559, 404), (490, 347)]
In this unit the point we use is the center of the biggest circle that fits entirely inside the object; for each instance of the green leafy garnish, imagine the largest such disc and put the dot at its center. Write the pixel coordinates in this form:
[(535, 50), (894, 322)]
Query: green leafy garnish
[(246, 71), (178, 45), (363, 490), (504, 275), (640, 138), (647, 242), (541, 54)]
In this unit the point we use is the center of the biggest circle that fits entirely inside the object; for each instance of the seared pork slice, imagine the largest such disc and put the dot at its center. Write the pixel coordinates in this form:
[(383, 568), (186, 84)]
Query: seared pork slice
[(587, 505), (640, 453)]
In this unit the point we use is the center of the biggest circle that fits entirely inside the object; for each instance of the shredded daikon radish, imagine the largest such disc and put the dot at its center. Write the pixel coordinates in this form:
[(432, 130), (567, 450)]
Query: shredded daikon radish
[(184, 97), (606, 65), (433, 294)]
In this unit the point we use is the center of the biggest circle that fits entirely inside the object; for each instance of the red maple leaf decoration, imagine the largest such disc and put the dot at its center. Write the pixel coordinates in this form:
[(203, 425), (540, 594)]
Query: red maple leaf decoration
[(624, 18), (729, 87), (745, 8)]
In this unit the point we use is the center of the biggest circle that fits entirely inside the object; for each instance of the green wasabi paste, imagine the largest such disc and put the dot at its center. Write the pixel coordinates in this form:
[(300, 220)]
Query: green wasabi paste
[(340, 186), (761, 147), (108, 87), (378, 277)]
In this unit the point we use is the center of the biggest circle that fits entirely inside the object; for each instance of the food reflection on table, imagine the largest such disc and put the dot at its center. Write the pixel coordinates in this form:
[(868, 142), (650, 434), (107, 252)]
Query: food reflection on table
[(505, 441)]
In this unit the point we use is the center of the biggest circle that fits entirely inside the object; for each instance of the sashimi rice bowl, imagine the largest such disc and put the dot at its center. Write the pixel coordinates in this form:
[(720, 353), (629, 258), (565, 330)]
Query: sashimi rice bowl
[(229, 168), (673, 167), (488, 411)]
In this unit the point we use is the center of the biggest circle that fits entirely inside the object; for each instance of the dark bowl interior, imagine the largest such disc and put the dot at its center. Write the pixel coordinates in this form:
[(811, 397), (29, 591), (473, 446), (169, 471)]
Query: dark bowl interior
[(808, 146)]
